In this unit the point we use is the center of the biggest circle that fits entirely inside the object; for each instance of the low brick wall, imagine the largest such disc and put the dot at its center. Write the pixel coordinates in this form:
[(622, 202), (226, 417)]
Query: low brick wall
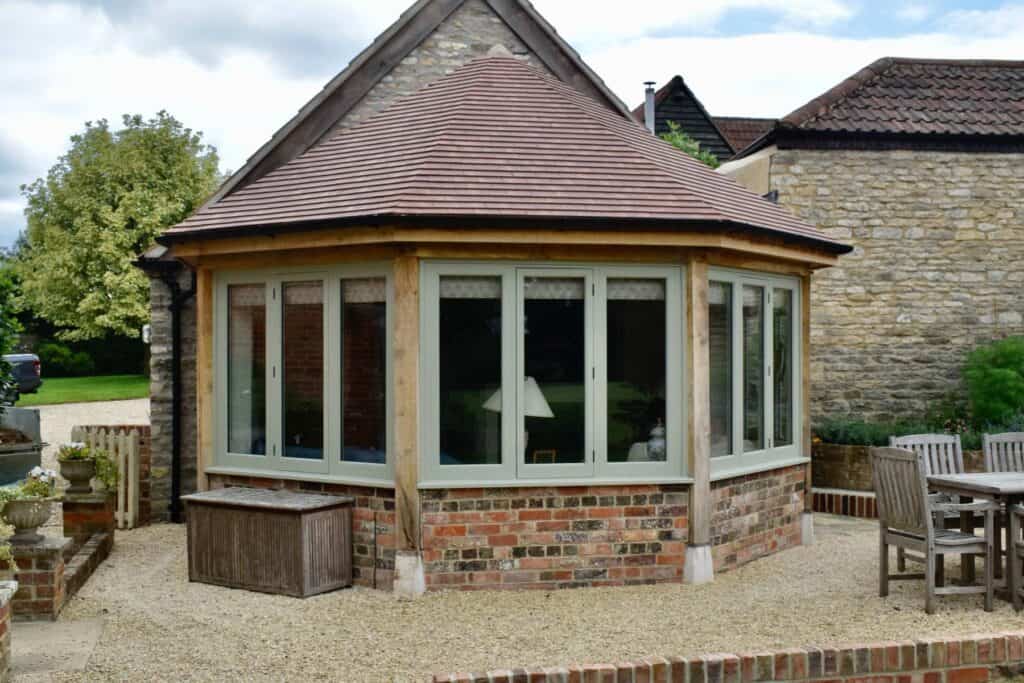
[(373, 523), (848, 503), (553, 537), (973, 659), (756, 515), (86, 514), (40, 577), (848, 467)]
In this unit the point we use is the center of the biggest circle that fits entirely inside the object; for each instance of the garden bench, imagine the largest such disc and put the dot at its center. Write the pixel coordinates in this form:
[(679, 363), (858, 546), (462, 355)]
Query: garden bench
[(284, 542)]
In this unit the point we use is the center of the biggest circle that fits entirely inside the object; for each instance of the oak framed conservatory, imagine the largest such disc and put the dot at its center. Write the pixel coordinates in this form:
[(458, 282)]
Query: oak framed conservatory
[(527, 367)]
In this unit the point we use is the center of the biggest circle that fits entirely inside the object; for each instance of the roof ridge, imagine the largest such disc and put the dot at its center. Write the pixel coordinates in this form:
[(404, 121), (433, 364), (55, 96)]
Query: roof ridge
[(1015, 63), (836, 94)]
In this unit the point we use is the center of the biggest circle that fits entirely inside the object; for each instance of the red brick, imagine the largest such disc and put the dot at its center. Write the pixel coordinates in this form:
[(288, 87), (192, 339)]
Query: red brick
[(978, 674)]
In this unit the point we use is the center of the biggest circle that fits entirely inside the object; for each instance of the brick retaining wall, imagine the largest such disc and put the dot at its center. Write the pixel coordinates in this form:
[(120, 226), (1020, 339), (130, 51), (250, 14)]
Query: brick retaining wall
[(973, 659), (7, 590)]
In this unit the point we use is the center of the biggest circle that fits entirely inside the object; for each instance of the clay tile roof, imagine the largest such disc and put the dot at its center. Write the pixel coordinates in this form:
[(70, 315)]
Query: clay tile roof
[(496, 139), (922, 96), (740, 131)]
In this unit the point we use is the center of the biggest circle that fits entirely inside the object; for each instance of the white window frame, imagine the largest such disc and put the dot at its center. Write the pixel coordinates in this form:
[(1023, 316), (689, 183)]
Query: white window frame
[(274, 464), (770, 456), (513, 469)]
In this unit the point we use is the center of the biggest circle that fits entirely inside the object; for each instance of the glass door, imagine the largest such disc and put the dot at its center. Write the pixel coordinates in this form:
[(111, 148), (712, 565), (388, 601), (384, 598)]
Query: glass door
[(554, 394)]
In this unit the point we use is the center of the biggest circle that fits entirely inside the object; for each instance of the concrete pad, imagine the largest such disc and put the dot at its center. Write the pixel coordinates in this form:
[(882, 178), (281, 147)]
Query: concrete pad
[(41, 647)]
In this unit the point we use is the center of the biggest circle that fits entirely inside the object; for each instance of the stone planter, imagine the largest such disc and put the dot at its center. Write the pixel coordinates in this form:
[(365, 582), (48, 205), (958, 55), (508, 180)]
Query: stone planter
[(79, 474), (26, 516)]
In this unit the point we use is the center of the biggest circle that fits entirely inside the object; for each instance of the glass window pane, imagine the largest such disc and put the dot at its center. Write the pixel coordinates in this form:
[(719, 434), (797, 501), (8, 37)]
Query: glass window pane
[(247, 375), (782, 325), (554, 389), (753, 368), (364, 370), (636, 370), (302, 381), (720, 351), (470, 370)]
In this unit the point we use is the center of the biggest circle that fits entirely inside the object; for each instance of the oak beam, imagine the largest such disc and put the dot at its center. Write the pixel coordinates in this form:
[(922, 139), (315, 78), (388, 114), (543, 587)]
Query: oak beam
[(698, 567), (204, 376)]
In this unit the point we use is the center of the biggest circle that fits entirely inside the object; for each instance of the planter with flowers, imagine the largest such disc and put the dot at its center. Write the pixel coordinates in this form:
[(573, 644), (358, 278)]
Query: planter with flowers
[(80, 463), (27, 505)]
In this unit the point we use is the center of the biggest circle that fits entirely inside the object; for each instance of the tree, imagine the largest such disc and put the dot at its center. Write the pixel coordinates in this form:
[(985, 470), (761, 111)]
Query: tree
[(99, 207), (680, 140), (9, 326)]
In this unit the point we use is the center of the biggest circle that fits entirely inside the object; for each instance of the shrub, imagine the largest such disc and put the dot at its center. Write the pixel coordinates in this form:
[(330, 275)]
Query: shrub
[(58, 360), (861, 433), (995, 381)]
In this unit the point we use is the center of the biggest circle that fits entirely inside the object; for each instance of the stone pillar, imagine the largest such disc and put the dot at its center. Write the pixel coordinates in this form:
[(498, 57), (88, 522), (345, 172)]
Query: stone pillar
[(409, 576), (40, 576), (698, 566)]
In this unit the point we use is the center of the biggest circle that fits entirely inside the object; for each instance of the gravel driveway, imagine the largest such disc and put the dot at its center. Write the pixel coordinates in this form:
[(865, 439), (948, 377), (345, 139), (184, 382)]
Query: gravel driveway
[(160, 627)]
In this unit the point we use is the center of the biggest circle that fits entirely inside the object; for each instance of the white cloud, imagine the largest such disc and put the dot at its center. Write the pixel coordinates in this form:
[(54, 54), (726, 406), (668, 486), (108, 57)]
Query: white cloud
[(994, 22)]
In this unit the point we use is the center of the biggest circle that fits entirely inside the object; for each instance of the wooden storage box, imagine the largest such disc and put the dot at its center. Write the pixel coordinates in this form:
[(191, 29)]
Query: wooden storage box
[(282, 542)]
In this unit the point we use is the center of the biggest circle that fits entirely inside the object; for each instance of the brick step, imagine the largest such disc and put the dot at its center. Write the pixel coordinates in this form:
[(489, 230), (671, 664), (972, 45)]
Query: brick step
[(85, 561)]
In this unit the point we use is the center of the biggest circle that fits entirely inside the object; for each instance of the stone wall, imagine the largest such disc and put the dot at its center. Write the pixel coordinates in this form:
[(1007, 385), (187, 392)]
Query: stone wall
[(756, 515), (160, 408), (939, 241), (554, 537), (971, 659), (470, 32)]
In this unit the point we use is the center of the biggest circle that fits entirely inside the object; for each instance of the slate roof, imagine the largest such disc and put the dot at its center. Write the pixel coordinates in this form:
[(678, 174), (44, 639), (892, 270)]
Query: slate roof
[(496, 139), (740, 131)]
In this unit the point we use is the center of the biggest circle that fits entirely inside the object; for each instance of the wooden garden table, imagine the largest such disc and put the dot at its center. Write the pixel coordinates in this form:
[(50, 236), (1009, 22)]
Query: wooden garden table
[(1006, 488)]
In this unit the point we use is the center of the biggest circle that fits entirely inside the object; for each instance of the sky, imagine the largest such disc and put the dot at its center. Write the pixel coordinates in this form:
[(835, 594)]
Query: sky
[(237, 70)]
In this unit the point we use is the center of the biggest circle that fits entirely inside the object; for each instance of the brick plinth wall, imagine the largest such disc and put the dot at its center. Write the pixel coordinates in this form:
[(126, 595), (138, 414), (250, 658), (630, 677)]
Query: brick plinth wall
[(969, 660), (756, 515), (88, 514), (7, 591), (373, 523), (554, 537), (40, 577)]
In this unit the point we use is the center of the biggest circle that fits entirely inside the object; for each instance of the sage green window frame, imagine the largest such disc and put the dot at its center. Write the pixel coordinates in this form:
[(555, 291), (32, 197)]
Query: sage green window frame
[(740, 462), (274, 464), (513, 469)]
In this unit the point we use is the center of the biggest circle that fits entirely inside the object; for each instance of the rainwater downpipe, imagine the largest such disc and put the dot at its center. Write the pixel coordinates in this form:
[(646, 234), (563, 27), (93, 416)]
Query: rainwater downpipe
[(179, 298)]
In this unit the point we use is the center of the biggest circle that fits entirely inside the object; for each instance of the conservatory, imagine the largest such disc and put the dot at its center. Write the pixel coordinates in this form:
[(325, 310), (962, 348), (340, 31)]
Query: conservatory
[(539, 346)]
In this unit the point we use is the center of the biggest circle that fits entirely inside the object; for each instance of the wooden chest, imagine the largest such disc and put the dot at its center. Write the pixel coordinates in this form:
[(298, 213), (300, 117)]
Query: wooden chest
[(282, 542)]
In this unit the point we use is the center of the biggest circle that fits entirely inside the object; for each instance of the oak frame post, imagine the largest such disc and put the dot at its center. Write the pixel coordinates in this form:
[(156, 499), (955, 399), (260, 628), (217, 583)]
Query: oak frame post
[(409, 576), (205, 427), (698, 566)]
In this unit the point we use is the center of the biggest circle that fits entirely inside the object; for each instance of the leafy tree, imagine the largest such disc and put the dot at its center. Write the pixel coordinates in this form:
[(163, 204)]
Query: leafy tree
[(680, 140), (101, 205), (995, 380), (9, 326)]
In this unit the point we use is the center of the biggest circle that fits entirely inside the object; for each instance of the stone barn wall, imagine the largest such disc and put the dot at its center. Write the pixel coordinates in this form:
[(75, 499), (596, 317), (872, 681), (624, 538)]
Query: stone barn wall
[(939, 240)]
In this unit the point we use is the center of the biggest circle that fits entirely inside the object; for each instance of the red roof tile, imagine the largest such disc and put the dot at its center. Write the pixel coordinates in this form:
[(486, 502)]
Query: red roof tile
[(741, 131), (931, 96), (496, 139)]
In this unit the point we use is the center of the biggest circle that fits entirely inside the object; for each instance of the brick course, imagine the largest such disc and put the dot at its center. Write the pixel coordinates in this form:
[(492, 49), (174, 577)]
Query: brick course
[(970, 660), (553, 537)]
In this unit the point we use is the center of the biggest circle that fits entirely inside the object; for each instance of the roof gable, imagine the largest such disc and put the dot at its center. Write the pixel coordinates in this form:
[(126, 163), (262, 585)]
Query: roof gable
[(674, 101), (496, 140), (319, 117), (740, 131)]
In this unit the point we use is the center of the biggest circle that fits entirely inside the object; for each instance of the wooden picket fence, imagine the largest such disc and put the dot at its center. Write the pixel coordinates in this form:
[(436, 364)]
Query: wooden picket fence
[(123, 447)]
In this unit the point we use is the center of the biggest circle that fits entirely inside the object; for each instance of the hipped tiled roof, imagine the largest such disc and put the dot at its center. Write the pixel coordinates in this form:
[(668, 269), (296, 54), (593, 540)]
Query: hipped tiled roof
[(931, 96), (496, 139)]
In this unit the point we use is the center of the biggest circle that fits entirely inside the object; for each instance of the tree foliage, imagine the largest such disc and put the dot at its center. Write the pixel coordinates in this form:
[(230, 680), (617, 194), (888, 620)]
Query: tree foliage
[(98, 208), (995, 380), (9, 326), (680, 140)]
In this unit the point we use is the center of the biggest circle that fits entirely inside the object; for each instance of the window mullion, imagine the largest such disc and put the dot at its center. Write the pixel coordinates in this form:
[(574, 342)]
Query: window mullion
[(737, 369), (768, 371)]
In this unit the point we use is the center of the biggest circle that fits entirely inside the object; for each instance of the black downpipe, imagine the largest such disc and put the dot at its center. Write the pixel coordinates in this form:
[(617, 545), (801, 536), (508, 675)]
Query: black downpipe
[(179, 298)]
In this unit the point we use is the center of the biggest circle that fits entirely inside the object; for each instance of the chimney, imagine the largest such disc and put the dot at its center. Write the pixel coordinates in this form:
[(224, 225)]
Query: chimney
[(649, 105)]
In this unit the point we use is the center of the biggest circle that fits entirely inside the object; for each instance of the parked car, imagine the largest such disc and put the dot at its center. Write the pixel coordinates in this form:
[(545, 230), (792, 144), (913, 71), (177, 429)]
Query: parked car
[(27, 372)]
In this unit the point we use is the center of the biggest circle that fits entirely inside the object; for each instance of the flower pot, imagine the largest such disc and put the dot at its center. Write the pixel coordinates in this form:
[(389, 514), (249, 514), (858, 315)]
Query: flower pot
[(78, 473), (26, 516)]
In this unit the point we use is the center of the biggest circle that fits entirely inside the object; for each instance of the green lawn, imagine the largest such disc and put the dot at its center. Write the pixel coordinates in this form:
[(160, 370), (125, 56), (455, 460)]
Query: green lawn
[(83, 389)]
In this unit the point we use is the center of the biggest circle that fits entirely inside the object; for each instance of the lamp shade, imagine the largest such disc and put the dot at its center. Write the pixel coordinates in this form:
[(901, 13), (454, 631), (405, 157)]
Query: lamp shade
[(534, 403)]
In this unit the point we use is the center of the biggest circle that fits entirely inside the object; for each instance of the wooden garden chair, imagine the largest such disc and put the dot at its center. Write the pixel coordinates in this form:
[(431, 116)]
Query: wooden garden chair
[(942, 454), (1015, 547), (906, 520), (1004, 452)]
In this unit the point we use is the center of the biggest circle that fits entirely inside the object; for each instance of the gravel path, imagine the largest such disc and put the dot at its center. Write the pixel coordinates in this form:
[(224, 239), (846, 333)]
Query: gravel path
[(160, 627)]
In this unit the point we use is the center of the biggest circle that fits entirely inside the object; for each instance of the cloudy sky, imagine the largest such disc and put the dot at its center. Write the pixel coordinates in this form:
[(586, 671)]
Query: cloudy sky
[(237, 70)]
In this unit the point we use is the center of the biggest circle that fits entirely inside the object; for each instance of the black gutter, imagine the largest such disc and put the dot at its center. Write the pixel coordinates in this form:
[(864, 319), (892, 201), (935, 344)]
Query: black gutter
[(179, 298)]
